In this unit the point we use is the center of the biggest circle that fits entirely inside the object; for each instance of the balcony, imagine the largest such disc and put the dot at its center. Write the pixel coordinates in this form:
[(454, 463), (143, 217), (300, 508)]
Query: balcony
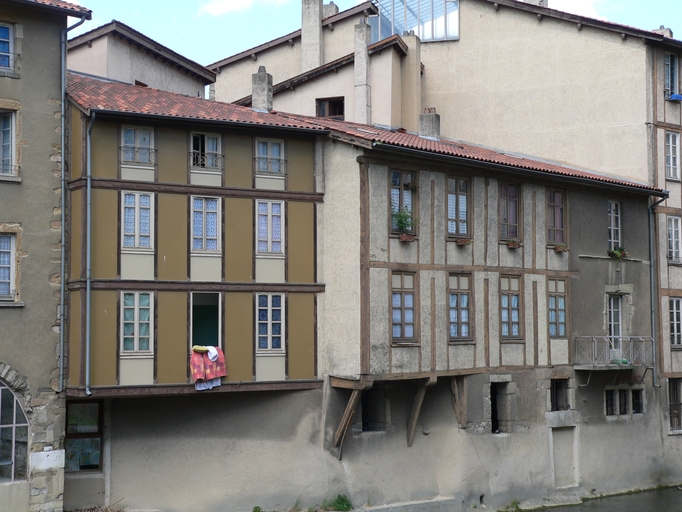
[(613, 352)]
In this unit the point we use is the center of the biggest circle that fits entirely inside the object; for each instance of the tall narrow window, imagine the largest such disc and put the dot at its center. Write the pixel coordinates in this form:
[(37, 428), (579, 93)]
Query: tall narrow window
[(205, 225), (402, 198), (458, 207), (672, 155), (615, 328), (138, 220), (270, 227), (270, 156), (136, 323), (674, 239), (614, 225), (555, 216), (206, 319), (7, 164), (403, 308), (206, 151), (6, 47), (459, 307), (7, 263), (671, 75), (675, 322), (13, 437), (510, 306), (509, 211), (559, 395), (675, 403), (270, 323), (137, 146), (556, 289), (83, 435)]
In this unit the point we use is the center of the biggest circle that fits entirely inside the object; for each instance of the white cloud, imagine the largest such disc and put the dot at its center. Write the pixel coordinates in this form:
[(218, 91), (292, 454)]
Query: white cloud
[(220, 7), (581, 7)]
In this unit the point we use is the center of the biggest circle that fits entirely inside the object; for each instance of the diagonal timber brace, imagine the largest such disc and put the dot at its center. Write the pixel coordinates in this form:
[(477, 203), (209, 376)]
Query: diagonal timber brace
[(416, 408)]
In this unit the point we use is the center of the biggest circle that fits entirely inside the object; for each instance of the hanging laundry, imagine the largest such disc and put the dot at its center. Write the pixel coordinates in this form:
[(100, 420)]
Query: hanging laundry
[(207, 365)]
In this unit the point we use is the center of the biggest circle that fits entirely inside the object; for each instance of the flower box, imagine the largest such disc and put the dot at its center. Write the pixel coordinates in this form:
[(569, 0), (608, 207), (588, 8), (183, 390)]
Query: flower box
[(406, 237)]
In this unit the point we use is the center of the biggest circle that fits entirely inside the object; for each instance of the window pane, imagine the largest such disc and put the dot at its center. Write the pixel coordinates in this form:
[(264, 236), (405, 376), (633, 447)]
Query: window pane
[(6, 407), (409, 331), (397, 329)]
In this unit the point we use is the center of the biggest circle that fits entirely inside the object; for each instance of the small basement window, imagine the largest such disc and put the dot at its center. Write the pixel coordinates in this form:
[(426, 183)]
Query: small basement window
[(375, 410), (332, 108), (206, 319), (560, 395)]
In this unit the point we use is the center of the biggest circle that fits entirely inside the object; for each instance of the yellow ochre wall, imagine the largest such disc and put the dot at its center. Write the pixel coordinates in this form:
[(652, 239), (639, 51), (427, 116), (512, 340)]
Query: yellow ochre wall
[(239, 240), (239, 331), (104, 234), (300, 242), (300, 165), (238, 161), (76, 233), (76, 143), (172, 345), (171, 231), (301, 335), (74, 359), (103, 343), (104, 145), (172, 155)]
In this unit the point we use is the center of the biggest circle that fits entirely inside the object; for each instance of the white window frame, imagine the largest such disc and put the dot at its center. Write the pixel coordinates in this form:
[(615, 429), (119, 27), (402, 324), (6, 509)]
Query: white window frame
[(8, 165), (270, 219), (9, 54), (206, 162), (675, 318), (269, 323), (138, 148), (136, 352), (615, 225), (509, 290), (674, 239), (672, 155), (269, 159), (137, 232), (12, 268), (671, 75), (203, 236)]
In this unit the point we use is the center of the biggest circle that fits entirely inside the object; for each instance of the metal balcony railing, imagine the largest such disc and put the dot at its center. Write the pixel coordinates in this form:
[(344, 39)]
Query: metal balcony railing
[(206, 160), (272, 165), (613, 351), (138, 155)]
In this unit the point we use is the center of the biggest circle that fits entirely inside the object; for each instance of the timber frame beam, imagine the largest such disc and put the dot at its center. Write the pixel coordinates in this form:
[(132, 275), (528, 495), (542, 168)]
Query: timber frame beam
[(416, 408)]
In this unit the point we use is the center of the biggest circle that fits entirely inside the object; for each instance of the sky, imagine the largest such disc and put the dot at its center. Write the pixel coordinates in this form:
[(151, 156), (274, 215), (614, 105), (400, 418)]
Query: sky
[(207, 31)]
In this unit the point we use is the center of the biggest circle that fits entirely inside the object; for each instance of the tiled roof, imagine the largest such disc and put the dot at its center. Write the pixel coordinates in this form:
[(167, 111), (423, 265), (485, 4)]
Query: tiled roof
[(60, 4), (107, 96), (371, 136)]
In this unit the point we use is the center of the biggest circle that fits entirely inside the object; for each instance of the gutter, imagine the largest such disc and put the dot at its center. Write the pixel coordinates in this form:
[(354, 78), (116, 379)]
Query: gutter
[(88, 256), (652, 277), (62, 290)]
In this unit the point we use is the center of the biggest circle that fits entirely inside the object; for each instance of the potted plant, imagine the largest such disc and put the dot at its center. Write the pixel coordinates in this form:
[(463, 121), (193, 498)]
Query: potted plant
[(464, 241), (560, 248), (513, 243), (618, 253), (404, 222)]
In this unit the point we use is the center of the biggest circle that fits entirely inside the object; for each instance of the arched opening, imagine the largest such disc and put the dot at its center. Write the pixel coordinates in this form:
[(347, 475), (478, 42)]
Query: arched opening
[(13, 437)]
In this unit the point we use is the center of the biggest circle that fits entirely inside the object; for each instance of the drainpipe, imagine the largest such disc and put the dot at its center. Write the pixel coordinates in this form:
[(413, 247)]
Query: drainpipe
[(88, 254), (62, 286), (652, 277)]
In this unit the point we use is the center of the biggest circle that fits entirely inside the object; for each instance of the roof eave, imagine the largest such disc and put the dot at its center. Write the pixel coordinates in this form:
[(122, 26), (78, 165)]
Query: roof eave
[(53, 8)]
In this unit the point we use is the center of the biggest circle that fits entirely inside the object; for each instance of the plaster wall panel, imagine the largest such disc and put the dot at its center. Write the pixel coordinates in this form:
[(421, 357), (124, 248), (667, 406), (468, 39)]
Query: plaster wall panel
[(494, 316), (493, 234), (136, 372), (238, 161), (442, 327), (171, 249), (239, 243), (385, 93), (76, 234), (461, 356), (676, 360), (378, 213), (560, 354), (513, 354), (674, 187), (513, 257), (336, 40), (104, 236), (542, 316), (137, 266), (270, 270), (270, 368), (207, 179), (301, 336), (76, 141), (439, 218), (529, 216), (379, 294), (172, 155), (508, 109), (537, 238), (172, 349), (556, 260), (478, 216), (338, 228), (74, 341), (460, 255), (239, 332), (136, 174), (270, 183), (91, 60), (429, 212), (674, 277), (426, 318), (205, 268), (300, 165), (81, 490), (14, 496), (104, 147), (300, 242), (404, 359), (672, 112), (104, 346), (405, 252)]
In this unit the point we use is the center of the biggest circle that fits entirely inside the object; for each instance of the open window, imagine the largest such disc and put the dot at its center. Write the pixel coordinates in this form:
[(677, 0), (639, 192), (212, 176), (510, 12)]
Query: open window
[(332, 108), (206, 319), (559, 395)]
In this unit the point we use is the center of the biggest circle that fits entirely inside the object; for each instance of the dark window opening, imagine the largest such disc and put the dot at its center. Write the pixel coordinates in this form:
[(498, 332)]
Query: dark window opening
[(83, 436), (637, 401), (494, 419), (332, 108), (560, 395), (205, 319), (374, 409), (622, 401), (501, 398), (610, 402), (675, 405)]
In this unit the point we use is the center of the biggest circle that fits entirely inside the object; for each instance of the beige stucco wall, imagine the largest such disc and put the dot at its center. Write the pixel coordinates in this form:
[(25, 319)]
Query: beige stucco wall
[(93, 60), (541, 88)]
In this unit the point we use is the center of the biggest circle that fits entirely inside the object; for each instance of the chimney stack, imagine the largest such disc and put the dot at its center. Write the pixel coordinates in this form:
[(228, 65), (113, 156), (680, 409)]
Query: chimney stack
[(329, 9), (363, 109), (261, 90), (429, 124), (311, 35), (665, 32)]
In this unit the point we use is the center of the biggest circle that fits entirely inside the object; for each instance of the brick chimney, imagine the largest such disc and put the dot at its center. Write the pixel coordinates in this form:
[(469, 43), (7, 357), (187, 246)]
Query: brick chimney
[(363, 108), (429, 124), (312, 50), (261, 90)]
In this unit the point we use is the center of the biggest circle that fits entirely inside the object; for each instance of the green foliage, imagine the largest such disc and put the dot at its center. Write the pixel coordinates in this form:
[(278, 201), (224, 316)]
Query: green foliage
[(404, 220), (340, 503), (618, 253), (257, 509)]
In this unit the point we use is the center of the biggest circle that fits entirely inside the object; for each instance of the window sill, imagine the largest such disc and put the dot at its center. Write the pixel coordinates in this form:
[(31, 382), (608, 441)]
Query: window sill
[(674, 348), (9, 73), (10, 178), (262, 174), (83, 473), (513, 340), (208, 254), (139, 165), (271, 354), (672, 178), (203, 170), (675, 263), (19, 304), (270, 256), (132, 250), (675, 432), (405, 344), (145, 355), (462, 342)]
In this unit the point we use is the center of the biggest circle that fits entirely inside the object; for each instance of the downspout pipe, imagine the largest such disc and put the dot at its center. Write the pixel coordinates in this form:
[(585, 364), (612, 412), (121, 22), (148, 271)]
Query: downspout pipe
[(652, 281), (88, 255), (62, 285)]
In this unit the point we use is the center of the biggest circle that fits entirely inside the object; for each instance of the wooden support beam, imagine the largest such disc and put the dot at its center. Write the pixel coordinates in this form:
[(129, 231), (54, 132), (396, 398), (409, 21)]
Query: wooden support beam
[(340, 382), (414, 415), (347, 416)]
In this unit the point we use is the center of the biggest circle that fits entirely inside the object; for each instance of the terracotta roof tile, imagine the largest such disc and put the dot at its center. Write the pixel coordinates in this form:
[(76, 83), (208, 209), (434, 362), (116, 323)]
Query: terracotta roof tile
[(95, 94), (60, 4)]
